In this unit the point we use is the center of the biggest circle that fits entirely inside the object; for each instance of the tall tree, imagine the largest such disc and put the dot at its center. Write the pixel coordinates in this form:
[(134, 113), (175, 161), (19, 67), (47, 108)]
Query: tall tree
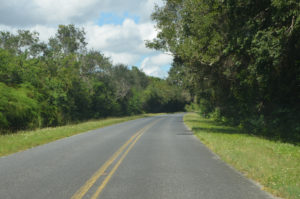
[(241, 56), (68, 39)]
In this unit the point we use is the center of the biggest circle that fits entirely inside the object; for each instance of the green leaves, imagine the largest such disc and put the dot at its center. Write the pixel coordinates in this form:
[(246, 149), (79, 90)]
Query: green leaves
[(69, 39), (18, 110), (62, 82), (241, 58)]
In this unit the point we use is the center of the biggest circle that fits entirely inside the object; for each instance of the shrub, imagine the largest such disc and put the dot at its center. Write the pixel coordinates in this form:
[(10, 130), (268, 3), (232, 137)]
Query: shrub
[(18, 110)]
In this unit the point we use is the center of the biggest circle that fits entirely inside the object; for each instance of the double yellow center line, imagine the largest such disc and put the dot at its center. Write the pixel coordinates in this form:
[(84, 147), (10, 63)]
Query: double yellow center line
[(131, 142)]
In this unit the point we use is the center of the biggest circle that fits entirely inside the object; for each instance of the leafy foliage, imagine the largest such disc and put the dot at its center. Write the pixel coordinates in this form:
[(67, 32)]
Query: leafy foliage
[(241, 58), (18, 109), (62, 82)]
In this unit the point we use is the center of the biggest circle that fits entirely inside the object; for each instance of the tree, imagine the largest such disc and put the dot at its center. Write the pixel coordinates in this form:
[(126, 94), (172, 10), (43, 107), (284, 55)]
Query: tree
[(240, 57), (62, 82), (68, 40), (24, 42)]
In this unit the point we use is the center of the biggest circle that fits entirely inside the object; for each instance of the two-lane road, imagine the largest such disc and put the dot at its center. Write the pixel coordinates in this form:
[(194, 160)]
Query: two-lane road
[(149, 158)]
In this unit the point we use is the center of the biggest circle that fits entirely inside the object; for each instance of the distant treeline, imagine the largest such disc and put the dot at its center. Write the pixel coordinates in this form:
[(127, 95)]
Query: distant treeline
[(240, 59), (59, 82)]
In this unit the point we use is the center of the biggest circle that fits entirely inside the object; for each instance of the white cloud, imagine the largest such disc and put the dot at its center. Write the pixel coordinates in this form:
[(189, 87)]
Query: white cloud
[(25, 12), (154, 65), (45, 32), (8, 28), (122, 58), (161, 59), (124, 43)]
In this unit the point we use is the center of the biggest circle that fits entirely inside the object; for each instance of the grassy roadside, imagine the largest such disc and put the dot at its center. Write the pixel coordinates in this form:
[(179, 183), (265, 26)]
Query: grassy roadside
[(275, 165), (23, 140)]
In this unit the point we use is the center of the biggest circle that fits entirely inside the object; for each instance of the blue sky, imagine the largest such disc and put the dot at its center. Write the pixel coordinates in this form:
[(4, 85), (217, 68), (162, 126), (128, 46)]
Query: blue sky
[(116, 18), (117, 28)]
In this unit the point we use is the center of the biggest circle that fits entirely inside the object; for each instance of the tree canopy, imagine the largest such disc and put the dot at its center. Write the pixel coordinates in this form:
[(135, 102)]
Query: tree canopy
[(54, 83), (241, 58)]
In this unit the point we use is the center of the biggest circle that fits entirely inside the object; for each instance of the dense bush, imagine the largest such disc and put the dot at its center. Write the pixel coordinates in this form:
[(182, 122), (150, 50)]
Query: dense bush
[(62, 81), (17, 109)]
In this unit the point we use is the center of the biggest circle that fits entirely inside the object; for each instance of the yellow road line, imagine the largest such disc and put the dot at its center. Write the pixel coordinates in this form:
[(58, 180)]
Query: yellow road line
[(89, 183), (106, 180), (82, 191)]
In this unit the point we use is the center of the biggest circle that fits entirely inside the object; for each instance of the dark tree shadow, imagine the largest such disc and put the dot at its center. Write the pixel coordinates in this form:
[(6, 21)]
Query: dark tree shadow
[(218, 130), (207, 122), (221, 127)]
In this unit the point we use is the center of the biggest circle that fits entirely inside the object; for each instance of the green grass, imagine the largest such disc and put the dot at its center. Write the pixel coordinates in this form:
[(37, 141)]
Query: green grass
[(12, 143), (275, 165)]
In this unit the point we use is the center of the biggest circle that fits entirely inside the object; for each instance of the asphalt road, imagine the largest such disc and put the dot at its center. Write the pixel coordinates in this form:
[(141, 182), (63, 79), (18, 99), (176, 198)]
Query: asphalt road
[(149, 158)]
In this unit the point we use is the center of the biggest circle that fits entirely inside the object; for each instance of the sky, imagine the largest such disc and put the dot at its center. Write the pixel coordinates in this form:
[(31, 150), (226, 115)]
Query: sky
[(117, 28)]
